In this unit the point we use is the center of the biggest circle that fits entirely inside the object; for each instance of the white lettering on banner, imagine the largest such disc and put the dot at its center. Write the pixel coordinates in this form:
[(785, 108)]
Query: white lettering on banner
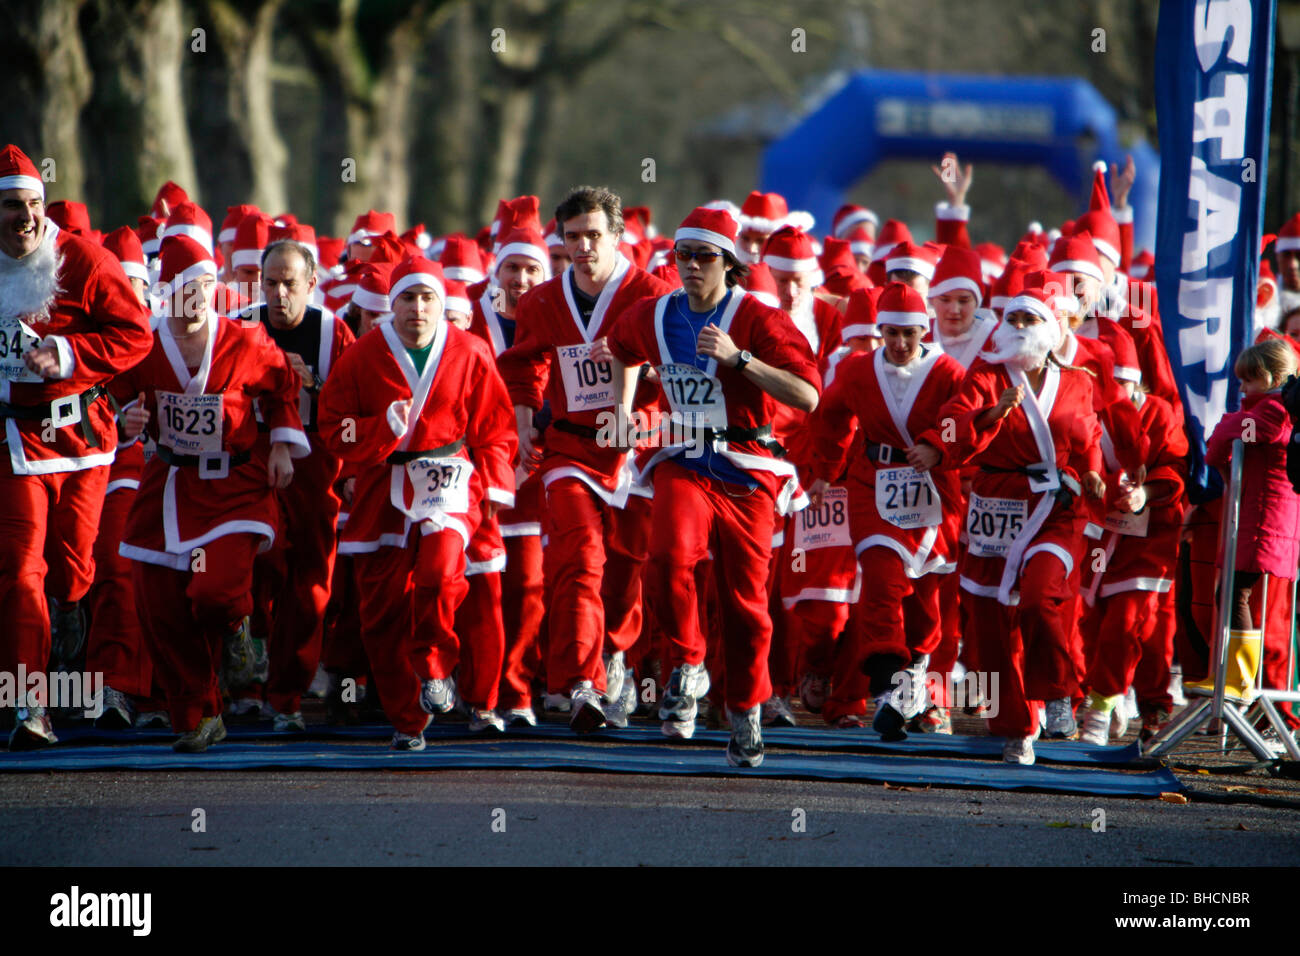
[(896, 116), (992, 525), (441, 484), (1211, 24), (1205, 302), (826, 526), (1217, 117), (588, 384), (16, 338), (190, 424), (907, 498), (1218, 209), (694, 396)]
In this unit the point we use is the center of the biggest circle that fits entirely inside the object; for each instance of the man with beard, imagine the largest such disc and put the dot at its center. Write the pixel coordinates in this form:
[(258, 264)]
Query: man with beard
[(1027, 422), (69, 321)]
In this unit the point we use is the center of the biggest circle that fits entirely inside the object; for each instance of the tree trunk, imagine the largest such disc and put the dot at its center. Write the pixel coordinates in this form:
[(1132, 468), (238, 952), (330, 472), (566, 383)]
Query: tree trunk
[(444, 180)]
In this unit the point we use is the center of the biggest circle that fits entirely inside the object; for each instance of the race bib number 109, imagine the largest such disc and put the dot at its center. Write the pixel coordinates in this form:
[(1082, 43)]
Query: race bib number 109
[(993, 524), (588, 384)]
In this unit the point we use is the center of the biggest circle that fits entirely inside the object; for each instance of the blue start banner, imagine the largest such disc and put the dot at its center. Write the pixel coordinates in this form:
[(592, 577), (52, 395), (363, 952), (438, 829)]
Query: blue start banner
[(1214, 75)]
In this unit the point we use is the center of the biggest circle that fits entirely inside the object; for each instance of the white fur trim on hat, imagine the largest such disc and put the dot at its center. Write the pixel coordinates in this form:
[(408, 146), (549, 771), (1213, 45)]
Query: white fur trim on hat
[(23, 182), (854, 219), (792, 265), (417, 278), (246, 257), (465, 274), (197, 233), (135, 270), (705, 235), (1286, 243), (363, 298), (917, 265), (1106, 249), (541, 256), (205, 267), (1028, 303), (862, 328), (457, 304), (860, 247), (953, 283), (1080, 266), (902, 319)]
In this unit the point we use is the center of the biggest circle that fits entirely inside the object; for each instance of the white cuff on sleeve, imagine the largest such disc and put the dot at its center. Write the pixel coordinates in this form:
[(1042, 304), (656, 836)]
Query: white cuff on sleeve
[(299, 446), (504, 498), (944, 211), (1122, 216), (67, 361)]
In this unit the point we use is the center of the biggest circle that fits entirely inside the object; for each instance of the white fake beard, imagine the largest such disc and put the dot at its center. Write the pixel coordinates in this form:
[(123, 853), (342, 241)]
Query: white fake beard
[(28, 285), (1022, 348), (1268, 316)]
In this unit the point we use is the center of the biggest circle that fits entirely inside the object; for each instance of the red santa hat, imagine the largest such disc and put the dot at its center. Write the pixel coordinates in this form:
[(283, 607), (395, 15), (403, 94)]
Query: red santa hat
[(1032, 253), (763, 212), (849, 218), (901, 305), (1288, 237), (790, 249), (993, 259), (300, 233), (189, 219), (760, 284), (169, 196), (418, 237), (71, 217), (710, 225), (388, 248), (839, 267), (183, 260), (19, 172), (286, 219), (958, 269), (1142, 264), (1034, 235), (149, 230), (860, 315), (457, 297), (525, 241), (125, 245), (1103, 228), (919, 259), (552, 234), (1076, 254), (1100, 199), (1010, 282), (1056, 288), (522, 212), (461, 259), (891, 234), (370, 224), (373, 280), (417, 270), (636, 223), (234, 216), (331, 250), (252, 236)]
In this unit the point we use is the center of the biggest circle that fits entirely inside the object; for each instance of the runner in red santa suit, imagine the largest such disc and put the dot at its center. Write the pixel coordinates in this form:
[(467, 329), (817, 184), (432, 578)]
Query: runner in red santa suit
[(1027, 422), (724, 361), (523, 262), (293, 578), (903, 511), (70, 321), (417, 405), (206, 505), (595, 534)]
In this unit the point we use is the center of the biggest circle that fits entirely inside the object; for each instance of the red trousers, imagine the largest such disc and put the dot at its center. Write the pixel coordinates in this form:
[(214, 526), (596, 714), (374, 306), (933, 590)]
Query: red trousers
[(47, 538), (899, 617), (944, 656), (1121, 631), (116, 645), (690, 512), (483, 640), (409, 597), (1027, 646), (1196, 619), (297, 574), (187, 615), (590, 558), (342, 650), (522, 614)]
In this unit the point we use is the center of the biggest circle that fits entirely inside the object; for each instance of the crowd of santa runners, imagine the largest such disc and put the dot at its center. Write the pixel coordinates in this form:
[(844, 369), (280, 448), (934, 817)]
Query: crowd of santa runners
[(593, 468)]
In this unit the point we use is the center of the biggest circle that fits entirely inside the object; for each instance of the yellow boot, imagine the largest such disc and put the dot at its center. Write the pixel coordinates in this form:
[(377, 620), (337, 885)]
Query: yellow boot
[(1244, 650)]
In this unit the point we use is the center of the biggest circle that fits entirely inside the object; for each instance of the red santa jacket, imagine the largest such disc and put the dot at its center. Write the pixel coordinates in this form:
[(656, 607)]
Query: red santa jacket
[(547, 321), (772, 338), (182, 507), (100, 329), (459, 398), (790, 425), (861, 401), (1055, 434)]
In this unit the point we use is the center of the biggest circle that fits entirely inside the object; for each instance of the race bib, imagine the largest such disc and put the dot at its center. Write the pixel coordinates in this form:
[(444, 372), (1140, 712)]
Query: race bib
[(992, 525), (189, 424), (588, 384), (1124, 523), (441, 484), (16, 338), (826, 526), (907, 498), (694, 396)]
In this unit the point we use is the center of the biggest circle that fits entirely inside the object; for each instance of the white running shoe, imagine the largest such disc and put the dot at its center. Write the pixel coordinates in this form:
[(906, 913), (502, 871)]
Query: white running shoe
[(915, 696), (586, 714), (1060, 720), (438, 695), (115, 712), (777, 713), (1096, 723), (520, 717), (1018, 750), (745, 749), (628, 699), (615, 672), (482, 720), (1176, 685), (288, 723), (556, 703)]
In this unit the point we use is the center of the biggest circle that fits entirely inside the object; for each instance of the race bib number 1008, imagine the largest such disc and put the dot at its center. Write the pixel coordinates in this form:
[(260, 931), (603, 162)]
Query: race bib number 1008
[(993, 524), (16, 338), (826, 526)]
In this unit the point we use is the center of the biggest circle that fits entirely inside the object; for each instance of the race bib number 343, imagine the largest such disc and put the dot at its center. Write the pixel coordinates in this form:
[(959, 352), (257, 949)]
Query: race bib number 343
[(16, 338), (189, 424), (992, 525), (588, 384)]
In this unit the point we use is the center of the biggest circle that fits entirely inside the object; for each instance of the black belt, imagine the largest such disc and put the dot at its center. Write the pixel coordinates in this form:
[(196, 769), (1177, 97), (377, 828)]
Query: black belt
[(194, 461), (402, 457), (573, 428), (55, 410), (761, 434), (883, 454), (1069, 490)]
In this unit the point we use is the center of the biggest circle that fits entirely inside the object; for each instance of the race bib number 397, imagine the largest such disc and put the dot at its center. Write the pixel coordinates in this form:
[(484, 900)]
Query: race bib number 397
[(16, 338), (588, 384), (189, 424), (992, 525)]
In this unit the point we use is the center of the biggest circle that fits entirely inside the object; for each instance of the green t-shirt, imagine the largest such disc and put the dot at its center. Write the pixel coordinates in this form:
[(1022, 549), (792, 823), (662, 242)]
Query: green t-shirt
[(420, 356)]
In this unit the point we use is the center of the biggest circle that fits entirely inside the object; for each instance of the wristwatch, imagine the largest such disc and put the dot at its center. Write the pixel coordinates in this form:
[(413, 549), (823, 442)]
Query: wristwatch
[(744, 359)]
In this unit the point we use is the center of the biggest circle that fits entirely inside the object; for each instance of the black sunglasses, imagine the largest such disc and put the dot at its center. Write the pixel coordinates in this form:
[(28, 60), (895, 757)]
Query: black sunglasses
[(703, 255)]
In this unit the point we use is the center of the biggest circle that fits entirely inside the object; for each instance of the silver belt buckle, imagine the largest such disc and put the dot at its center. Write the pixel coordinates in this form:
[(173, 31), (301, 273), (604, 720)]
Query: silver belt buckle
[(213, 465), (65, 411), (885, 454)]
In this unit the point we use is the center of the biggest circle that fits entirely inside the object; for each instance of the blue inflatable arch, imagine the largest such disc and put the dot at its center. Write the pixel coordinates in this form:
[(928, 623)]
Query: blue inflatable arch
[(1063, 124)]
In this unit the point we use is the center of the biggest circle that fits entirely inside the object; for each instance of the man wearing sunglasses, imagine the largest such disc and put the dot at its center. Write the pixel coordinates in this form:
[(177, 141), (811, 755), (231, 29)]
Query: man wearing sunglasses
[(595, 533), (724, 362)]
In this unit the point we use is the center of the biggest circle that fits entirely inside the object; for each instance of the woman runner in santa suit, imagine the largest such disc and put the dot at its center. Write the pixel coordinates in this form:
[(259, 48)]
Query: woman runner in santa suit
[(724, 361), (205, 506), (903, 510), (1027, 421)]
